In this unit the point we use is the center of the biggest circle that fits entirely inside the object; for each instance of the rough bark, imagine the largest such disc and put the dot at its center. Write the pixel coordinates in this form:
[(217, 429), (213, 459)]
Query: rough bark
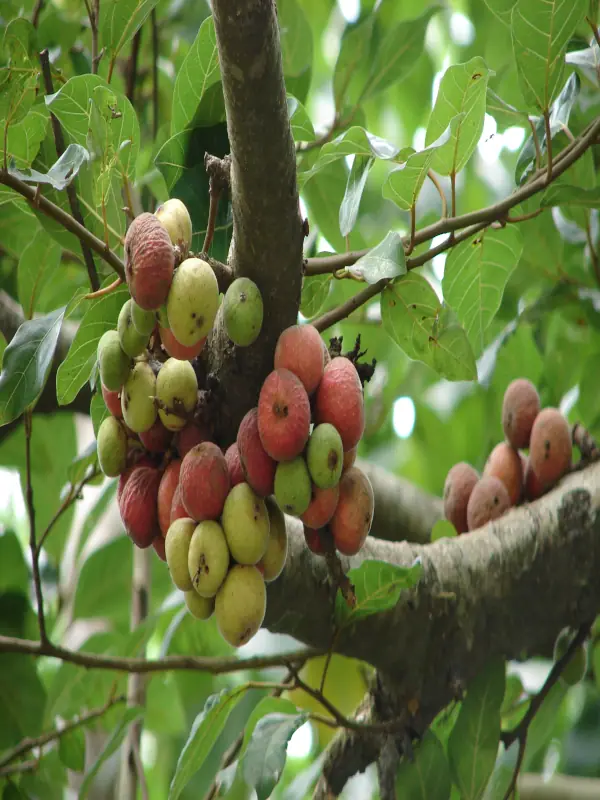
[(268, 236)]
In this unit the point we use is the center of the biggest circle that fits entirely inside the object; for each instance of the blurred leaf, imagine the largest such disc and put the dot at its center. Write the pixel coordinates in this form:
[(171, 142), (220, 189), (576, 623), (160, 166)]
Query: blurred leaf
[(22, 699), (314, 294), (473, 743), (476, 273), (296, 38), (443, 530), (199, 71), (101, 315), (60, 173), (37, 264), (427, 775), (112, 745), (563, 194), (404, 183), (588, 392), (96, 511), (19, 79), (119, 22), (377, 586), (504, 112), (71, 749), (74, 105), (357, 179), (541, 729), (501, 9), (385, 260), (409, 309), (397, 53), (264, 759), (27, 363), (268, 705), (453, 356), (14, 573), (203, 735), (24, 138), (541, 30), (502, 775), (354, 50), (302, 127), (3, 346), (79, 467), (98, 411), (104, 580), (462, 91), (588, 60)]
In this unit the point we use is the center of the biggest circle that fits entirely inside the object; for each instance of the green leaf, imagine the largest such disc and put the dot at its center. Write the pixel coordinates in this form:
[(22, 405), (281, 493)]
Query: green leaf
[(199, 71), (501, 9), (71, 749), (100, 316), (3, 346), (315, 290), (403, 184), (462, 91), (452, 354), (205, 730), (561, 194), (13, 569), (98, 411), (18, 80), (409, 310), (302, 127), (75, 104), (104, 580), (588, 61), (502, 775), (119, 22), (397, 53), (296, 38), (22, 699), (357, 180), (112, 745), (27, 363), (443, 530), (385, 260), (25, 137), (264, 759), (61, 173), (97, 510), (427, 775), (541, 30), (476, 273), (473, 743), (268, 705), (80, 466), (542, 728), (377, 586), (37, 264), (354, 50)]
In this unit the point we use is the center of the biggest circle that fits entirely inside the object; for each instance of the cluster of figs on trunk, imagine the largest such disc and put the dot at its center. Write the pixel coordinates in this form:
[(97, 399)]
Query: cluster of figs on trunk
[(216, 515)]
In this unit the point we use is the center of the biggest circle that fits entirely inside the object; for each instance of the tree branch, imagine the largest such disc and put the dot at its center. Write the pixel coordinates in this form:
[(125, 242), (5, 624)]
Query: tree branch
[(268, 234), (497, 211)]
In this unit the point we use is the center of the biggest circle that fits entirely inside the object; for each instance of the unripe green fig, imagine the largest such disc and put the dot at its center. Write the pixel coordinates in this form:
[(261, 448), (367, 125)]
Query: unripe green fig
[(245, 521), (193, 301), (144, 321), (112, 447), (199, 607), (113, 363), (292, 486), (243, 311), (273, 561), (576, 668), (240, 604), (177, 389), (137, 398), (132, 342), (176, 219), (325, 456), (208, 558), (177, 545)]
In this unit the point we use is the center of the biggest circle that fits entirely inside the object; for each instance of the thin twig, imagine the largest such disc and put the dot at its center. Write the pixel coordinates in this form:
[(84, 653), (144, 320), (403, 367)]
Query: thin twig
[(37, 10), (59, 142), (66, 220), (413, 224), (453, 194), (104, 291), (548, 146), (35, 565), (94, 17), (432, 177), (214, 666), (39, 741), (73, 494), (215, 194), (536, 144), (594, 28), (132, 67), (155, 50), (24, 766), (524, 217)]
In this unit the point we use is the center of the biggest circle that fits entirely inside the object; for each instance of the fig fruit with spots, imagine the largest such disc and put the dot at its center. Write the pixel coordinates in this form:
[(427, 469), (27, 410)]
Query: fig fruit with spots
[(193, 301), (245, 520), (243, 312), (137, 398), (176, 392), (240, 604), (208, 558)]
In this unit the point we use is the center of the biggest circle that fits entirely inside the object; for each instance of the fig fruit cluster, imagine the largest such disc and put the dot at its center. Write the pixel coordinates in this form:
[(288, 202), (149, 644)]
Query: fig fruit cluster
[(299, 443), (511, 477)]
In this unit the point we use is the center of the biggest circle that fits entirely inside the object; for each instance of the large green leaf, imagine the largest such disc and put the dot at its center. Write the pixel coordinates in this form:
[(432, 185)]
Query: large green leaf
[(501, 8), (462, 91), (24, 137), (296, 38), (397, 53), (354, 50), (71, 749), (541, 30), (104, 580), (377, 586), (562, 194), (264, 759), (19, 78), (119, 22), (22, 699), (26, 364), (315, 290), (203, 735), (39, 260), (113, 743), (476, 273), (385, 260), (76, 369), (473, 743), (200, 70), (427, 775), (13, 569)]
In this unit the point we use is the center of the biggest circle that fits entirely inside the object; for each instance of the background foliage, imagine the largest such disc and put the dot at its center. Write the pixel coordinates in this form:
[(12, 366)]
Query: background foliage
[(378, 95)]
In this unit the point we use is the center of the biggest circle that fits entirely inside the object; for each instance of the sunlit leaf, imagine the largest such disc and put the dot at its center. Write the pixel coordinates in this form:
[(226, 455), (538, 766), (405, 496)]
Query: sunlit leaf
[(501, 9), (24, 137), (357, 180), (385, 260), (264, 759), (314, 294), (119, 22), (61, 173), (354, 49), (302, 127)]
